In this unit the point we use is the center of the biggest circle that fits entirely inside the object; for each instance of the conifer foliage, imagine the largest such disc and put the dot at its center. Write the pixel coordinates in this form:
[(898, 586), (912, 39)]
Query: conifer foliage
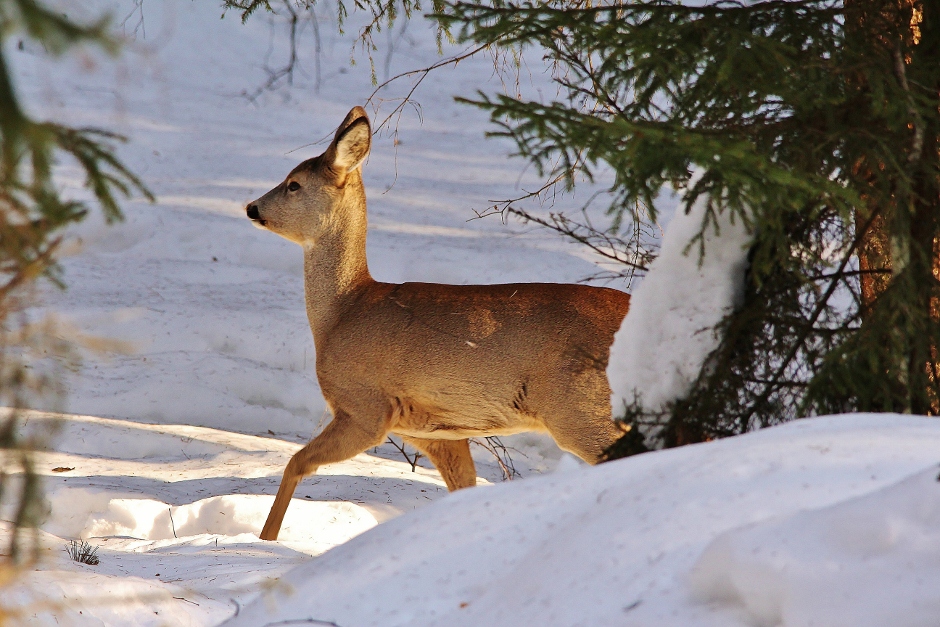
[(817, 123), (33, 212)]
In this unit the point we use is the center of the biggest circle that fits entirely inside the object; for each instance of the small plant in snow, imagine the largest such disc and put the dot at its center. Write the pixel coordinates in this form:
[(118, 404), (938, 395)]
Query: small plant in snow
[(82, 551)]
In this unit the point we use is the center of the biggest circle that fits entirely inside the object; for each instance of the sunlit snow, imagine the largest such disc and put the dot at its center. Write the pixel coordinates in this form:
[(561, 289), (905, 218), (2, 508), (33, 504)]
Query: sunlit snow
[(173, 449)]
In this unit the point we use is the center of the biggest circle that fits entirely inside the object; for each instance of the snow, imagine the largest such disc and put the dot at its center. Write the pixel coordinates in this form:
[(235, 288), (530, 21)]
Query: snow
[(870, 560), (659, 350), (173, 450), (622, 543), (175, 511)]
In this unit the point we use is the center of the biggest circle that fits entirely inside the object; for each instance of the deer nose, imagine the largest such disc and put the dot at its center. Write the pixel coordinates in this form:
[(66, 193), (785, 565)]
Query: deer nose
[(252, 212)]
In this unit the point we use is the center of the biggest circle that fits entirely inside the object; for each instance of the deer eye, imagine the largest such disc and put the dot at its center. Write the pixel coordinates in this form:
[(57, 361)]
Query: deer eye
[(293, 186)]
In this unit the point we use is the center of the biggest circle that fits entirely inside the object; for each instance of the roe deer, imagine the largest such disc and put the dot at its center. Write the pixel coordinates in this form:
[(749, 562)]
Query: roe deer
[(433, 364)]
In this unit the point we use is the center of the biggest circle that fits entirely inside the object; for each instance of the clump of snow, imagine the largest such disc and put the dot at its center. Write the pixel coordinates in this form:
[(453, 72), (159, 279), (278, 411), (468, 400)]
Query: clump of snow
[(664, 340), (616, 544), (869, 561), (226, 515)]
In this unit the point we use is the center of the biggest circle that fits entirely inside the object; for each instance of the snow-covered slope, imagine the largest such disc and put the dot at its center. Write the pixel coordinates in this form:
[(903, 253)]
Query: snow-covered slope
[(175, 511), (622, 543), (869, 560)]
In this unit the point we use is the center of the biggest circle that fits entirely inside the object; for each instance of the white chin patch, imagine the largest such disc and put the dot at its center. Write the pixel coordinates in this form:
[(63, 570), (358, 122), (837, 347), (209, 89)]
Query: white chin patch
[(258, 225)]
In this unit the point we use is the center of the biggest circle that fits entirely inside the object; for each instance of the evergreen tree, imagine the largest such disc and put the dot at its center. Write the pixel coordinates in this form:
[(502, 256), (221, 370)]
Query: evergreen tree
[(815, 121), (32, 214)]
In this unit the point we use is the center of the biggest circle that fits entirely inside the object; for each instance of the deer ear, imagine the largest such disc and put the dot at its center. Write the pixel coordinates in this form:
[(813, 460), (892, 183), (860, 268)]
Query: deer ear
[(352, 144), (354, 114)]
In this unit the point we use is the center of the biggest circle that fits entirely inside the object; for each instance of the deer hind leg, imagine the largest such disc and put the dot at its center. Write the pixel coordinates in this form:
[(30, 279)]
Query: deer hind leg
[(588, 437), (451, 458), (582, 423), (341, 439)]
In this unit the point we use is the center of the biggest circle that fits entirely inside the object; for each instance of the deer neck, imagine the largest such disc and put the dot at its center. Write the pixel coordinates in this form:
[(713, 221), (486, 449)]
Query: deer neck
[(335, 266)]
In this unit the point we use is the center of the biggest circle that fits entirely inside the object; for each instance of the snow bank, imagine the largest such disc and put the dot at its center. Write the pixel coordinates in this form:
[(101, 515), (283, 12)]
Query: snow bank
[(867, 562), (664, 340), (616, 544)]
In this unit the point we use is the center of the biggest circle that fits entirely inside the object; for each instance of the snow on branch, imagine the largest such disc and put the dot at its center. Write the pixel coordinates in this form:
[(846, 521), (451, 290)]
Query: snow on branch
[(664, 340)]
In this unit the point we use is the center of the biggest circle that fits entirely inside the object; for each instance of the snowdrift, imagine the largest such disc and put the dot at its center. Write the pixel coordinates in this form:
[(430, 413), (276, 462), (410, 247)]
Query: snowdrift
[(812, 523)]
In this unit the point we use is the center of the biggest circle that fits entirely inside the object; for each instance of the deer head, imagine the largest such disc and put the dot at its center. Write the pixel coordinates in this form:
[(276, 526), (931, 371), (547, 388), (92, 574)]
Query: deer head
[(318, 195)]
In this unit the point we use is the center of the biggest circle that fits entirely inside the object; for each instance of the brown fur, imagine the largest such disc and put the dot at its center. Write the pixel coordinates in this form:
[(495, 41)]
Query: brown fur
[(434, 364)]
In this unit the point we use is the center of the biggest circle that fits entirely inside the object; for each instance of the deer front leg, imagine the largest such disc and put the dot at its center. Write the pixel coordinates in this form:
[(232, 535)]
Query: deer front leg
[(341, 439)]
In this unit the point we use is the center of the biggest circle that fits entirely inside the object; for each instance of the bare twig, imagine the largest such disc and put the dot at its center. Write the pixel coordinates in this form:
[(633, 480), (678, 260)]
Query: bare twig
[(275, 76), (318, 49), (139, 25), (411, 459), (393, 40), (421, 74), (501, 452), (172, 524), (632, 254)]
